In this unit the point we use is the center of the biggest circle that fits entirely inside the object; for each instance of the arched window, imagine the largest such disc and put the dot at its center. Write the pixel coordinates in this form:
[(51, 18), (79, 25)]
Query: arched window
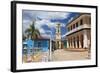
[(81, 22), (73, 26), (77, 24)]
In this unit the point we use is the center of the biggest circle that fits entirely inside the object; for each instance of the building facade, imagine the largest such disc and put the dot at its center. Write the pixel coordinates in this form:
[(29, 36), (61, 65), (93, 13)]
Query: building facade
[(79, 32)]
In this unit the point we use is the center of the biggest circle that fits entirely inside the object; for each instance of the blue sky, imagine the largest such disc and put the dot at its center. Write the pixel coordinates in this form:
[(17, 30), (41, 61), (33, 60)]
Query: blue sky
[(45, 21)]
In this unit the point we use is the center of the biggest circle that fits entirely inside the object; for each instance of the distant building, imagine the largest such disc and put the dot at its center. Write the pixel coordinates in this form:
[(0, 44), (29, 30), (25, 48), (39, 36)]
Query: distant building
[(43, 44), (58, 37), (38, 44), (79, 32)]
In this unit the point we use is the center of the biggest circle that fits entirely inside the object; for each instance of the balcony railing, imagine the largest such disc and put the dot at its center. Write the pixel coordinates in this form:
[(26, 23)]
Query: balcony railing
[(78, 28)]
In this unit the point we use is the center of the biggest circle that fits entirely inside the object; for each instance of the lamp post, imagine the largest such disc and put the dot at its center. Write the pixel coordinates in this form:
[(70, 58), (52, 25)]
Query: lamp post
[(50, 47), (50, 50)]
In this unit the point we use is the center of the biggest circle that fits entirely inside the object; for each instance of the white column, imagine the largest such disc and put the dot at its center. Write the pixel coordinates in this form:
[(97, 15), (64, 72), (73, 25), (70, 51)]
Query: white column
[(76, 42), (59, 44), (67, 43), (73, 43), (85, 40), (50, 51), (80, 42)]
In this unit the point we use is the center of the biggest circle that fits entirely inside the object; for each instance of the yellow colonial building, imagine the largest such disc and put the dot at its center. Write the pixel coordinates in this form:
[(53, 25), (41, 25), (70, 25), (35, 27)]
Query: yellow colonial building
[(79, 32)]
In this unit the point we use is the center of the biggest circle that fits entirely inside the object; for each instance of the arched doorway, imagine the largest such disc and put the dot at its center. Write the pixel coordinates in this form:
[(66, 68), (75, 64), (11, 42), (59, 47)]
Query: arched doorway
[(74, 42), (81, 39), (69, 43), (77, 39)]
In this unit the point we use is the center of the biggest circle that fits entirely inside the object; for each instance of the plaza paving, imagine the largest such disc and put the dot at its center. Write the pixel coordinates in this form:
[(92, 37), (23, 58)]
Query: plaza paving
[(59, 55), (38, 57), (63, 55)]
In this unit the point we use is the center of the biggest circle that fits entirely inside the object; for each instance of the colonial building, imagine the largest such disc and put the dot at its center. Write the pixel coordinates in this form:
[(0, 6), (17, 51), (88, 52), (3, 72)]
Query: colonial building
[(79, 32), (58, 37)]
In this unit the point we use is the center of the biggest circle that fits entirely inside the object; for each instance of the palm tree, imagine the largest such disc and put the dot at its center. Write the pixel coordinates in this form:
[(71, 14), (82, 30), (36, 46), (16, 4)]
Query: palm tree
[(33, 32)]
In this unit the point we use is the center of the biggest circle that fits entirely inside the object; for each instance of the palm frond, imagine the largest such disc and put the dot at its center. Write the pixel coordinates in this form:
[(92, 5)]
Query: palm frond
[(32, 31)]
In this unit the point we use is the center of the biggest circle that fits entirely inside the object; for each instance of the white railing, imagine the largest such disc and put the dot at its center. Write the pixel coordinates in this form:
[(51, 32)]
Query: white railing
[(78, 28)]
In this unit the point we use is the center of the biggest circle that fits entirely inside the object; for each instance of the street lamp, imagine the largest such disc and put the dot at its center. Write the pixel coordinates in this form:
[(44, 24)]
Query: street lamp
[(50, 50)]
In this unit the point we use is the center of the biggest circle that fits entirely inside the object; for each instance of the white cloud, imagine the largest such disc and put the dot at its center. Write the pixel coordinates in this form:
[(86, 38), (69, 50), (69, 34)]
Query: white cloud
[(26, 24), (47, 14), (45, 35), (39, 24), (42, 31), (50, 24), (70, 19), (52, 15), (45, 19), (63, 35)]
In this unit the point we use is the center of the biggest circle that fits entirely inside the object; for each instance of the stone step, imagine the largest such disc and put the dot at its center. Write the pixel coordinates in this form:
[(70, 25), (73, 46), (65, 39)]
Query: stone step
[(77, 49)]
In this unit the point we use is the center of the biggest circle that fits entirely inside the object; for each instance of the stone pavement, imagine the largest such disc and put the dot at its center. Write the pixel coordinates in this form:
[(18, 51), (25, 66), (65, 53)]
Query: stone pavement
[(38, 57), (64, 55), (59, 55)]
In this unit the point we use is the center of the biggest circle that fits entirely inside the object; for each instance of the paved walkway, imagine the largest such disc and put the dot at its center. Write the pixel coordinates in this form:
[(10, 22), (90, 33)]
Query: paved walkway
[(63, 55), (38, 57), (59, 55)]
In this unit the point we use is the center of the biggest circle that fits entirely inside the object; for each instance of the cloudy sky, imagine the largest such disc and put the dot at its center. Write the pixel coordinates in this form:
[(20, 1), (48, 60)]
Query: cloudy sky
[(45, 21)]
